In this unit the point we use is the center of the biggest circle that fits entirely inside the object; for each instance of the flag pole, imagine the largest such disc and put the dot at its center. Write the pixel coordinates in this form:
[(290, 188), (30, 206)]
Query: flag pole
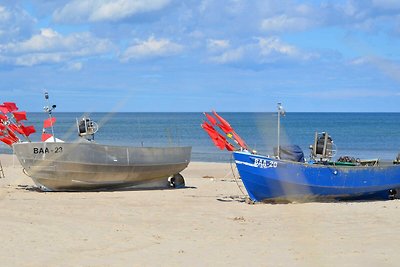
[(279, 126), (281, 111), (49, 110)]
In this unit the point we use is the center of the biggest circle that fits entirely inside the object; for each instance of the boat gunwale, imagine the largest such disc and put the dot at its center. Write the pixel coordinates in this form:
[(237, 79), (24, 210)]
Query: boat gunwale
[(311, 165)]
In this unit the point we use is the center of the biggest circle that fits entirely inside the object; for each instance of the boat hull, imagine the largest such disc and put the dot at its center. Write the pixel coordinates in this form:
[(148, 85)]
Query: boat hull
[(267, 178), (63, 166)]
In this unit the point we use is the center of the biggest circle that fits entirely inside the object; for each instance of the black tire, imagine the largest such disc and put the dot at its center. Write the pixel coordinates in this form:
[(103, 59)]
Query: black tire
[(177, 181)]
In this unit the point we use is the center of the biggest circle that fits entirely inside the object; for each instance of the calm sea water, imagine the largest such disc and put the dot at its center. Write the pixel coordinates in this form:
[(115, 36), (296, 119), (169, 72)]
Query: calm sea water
[(362, 135)]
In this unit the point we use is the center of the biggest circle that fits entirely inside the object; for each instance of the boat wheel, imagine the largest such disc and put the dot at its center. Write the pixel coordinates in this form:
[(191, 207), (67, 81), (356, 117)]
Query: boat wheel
[(392, 194), (177, 181)]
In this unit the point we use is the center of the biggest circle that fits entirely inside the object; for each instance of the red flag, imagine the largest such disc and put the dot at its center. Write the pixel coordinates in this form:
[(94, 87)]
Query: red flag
[(19, 115), (15, 128), (220, 142), (46, 136), (2, 127), (12, 135), (210, 130), (239, 140), (3, 117), (3, 109), (229, 146), (7, 141), (211, 118), (28, 130), (10, 106), (226, 126), (49, 122)]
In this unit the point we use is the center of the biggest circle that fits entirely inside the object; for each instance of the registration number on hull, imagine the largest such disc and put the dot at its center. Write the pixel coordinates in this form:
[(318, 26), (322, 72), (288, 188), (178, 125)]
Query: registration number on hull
[(263, 163), (41, 150)]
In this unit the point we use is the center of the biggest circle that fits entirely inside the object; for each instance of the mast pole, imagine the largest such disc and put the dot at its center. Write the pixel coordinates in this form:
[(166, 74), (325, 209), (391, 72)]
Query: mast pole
[(49, 109), (279, 129)]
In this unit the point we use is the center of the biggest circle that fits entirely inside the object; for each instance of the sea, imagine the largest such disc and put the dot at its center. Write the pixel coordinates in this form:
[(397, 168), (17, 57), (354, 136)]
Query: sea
[(359, 135)]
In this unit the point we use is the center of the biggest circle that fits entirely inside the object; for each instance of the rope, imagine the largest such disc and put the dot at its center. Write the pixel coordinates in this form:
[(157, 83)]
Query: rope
[(2, 171), (234, 176)]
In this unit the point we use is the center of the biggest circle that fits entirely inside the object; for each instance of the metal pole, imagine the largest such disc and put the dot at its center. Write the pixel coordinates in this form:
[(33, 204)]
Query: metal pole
[(49, 110), (279, 128), (325, 143)]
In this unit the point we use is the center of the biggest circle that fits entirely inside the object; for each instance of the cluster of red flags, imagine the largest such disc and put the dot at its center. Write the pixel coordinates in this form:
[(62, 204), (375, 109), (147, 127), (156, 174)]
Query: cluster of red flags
[(11, 125), (220, 140), (47, 124)]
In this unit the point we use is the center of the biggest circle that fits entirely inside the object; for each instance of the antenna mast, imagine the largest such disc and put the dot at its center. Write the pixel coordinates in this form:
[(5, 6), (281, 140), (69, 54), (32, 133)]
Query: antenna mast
[(281, 111), (49, 110)]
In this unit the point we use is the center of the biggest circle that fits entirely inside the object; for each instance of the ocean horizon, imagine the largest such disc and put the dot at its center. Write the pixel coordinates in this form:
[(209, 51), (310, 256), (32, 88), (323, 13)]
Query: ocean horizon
[(362, 135)]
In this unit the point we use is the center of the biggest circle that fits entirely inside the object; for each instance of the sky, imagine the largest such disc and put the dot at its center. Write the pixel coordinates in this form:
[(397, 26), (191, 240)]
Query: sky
[(192, 56)]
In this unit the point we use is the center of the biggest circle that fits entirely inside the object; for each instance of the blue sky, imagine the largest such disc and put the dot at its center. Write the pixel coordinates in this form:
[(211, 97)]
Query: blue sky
[(172, 55)]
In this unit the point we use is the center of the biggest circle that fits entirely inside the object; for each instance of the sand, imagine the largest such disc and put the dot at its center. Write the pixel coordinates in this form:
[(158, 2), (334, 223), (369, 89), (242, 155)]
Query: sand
[(205, 224)]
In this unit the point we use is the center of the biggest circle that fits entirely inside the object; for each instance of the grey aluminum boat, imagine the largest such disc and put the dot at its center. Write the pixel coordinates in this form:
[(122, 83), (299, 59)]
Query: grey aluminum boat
[(55, 165), (67, 166)]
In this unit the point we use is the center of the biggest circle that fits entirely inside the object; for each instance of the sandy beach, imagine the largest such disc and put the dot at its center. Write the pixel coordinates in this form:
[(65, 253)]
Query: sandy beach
[(207, 223)]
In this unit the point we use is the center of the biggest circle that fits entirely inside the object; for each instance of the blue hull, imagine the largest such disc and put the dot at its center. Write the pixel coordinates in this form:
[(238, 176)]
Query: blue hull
[(267, 178)]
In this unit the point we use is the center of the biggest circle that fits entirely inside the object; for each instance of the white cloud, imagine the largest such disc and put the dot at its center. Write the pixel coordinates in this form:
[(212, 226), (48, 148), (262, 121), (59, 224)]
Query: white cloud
[(51, 47), (151, 48), (15, 23), (285, 23), (217, 45), (4, 14), (271, 45), (388, 67), (229, 56), (105, 10), (263, 50)]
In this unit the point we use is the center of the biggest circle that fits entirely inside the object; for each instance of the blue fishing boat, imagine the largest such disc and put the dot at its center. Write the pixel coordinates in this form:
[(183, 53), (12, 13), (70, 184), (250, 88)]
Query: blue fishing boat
[(267, 178), (288, 176)]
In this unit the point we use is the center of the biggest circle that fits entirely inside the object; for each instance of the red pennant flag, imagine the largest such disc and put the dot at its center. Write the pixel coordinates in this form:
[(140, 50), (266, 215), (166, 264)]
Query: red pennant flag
[(3, 117), (7, 141), (46, 136), (28, 130), (226, 126), (12, 135), (19, 115), (10, 106), (3, 109), (210, 130), (239, 140), (217, 138), (211, 118), (49, 122), (15, 128), (2, 127), (221, 141), (229, 146)]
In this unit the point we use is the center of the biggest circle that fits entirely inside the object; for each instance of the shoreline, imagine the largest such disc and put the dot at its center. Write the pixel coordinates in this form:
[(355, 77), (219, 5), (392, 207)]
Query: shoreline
[(205, 223)]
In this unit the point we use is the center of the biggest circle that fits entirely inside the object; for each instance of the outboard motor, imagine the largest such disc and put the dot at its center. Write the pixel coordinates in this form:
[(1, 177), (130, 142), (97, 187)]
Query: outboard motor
[(87, 128)]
